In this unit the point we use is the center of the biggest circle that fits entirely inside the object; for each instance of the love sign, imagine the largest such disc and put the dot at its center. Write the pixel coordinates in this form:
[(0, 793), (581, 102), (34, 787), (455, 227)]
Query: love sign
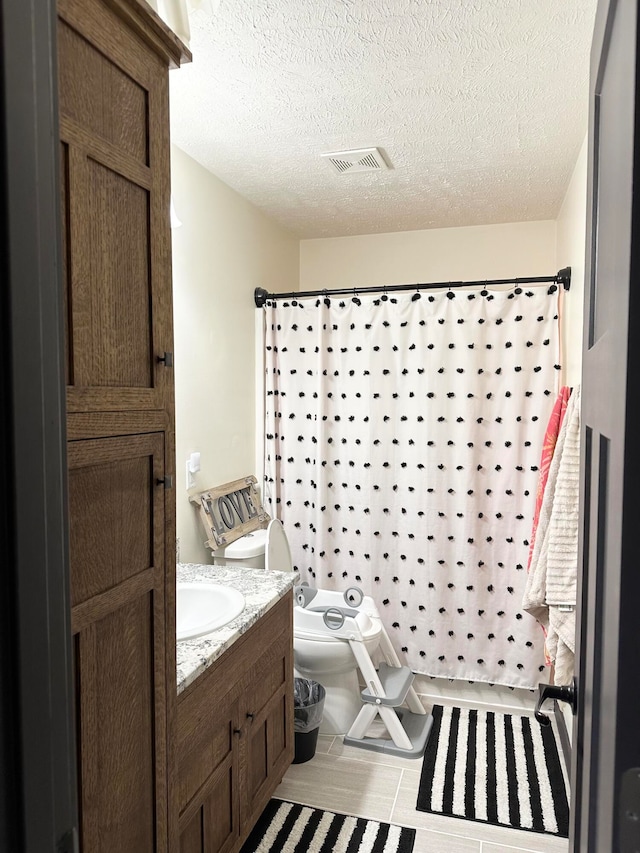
[(230, 511)]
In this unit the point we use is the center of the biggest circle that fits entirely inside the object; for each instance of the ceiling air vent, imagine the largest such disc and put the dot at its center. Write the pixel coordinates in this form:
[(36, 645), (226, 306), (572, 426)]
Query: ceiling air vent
[(357, 160)]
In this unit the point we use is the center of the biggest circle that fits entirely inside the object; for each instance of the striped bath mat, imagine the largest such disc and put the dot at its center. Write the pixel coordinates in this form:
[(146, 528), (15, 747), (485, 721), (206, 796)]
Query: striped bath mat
[(496, 768), (290, 828)]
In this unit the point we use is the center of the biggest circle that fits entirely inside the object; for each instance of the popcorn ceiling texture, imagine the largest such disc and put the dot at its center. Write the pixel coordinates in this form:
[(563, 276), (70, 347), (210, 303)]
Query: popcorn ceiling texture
[(481, 106)]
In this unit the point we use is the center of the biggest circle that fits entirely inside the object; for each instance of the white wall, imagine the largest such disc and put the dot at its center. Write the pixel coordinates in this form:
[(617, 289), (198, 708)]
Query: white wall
[(224, 249), (485, 251), (443, 254), (571, 236)]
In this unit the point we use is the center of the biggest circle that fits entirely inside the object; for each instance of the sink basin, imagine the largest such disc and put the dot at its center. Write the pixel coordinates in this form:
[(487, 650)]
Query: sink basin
[(203, 607)]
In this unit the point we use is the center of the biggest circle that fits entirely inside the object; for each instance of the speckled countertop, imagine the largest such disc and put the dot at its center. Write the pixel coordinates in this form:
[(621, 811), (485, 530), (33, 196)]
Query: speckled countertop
[(261, 589)]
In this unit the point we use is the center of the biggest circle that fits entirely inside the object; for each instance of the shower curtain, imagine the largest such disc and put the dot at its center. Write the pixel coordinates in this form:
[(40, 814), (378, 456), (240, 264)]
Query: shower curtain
[(403, 437)]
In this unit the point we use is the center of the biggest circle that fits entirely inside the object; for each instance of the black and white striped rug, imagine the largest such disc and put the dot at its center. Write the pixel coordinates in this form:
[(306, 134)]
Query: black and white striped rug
[(290, 828), (496, 768)]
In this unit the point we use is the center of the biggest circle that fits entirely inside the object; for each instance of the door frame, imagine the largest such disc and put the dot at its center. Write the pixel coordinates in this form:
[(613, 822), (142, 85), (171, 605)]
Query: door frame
[(37, 737), (606, 747)]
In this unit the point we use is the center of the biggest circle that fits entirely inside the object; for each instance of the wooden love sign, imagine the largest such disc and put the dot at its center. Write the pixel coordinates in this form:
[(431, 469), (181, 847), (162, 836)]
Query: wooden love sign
[(230, 511)]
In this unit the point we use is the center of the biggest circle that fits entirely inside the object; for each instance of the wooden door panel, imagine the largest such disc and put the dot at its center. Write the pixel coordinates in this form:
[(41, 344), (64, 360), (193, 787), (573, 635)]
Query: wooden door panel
[(117, 512), (270, 671), (209, 746), (114, 125), (209, 770), (220, 814), (110, 290), (257, 763), (279, 738), (191, 840), (120, 730), (213, 828), (268, 709), (119, 340), (268, 753), (103, 98)]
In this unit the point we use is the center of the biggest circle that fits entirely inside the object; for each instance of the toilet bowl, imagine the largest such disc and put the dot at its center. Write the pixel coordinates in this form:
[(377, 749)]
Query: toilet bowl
[(318, 654)]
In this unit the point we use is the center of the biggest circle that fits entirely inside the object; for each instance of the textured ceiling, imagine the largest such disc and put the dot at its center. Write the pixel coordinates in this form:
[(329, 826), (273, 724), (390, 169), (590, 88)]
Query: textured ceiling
[(481, 106)]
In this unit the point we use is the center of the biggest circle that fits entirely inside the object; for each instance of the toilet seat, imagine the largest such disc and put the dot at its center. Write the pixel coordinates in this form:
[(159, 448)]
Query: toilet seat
[(318, 631), (309, 622)]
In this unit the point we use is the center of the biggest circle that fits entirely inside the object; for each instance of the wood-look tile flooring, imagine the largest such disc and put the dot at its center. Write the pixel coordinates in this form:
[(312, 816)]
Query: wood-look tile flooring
[(383, 787)]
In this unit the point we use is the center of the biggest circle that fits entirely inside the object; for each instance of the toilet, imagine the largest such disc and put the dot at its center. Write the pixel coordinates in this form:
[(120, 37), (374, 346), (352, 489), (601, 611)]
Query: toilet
[(319, 655)]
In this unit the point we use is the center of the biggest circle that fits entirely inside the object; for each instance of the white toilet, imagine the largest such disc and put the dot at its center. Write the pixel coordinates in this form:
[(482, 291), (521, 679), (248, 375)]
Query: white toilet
[(319, 655)]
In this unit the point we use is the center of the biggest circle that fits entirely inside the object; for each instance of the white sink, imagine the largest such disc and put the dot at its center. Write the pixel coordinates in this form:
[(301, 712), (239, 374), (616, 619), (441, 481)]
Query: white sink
[(203, 607)]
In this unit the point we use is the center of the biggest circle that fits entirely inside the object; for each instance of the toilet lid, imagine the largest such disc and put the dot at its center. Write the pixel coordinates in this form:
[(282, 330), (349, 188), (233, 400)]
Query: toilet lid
[(277, 552)]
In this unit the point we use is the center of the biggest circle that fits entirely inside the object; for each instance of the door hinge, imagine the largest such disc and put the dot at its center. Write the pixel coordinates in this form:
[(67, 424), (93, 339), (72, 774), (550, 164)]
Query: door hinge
[(630, 811), (166, 481), (166, 358), (69, 842)]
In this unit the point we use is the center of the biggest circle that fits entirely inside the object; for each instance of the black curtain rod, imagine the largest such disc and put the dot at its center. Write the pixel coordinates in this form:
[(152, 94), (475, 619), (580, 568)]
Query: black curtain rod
[(562, 277)]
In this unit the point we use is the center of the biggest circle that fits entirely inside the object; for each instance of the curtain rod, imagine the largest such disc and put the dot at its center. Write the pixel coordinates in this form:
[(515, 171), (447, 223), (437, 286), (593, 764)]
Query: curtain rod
[(562, 277)]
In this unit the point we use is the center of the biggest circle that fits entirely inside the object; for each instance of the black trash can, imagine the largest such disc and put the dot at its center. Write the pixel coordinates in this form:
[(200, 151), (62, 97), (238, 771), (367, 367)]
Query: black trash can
[(308, 703)]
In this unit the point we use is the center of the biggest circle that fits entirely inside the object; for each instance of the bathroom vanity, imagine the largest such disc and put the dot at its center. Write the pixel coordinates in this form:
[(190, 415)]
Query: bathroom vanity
[(235, 711)]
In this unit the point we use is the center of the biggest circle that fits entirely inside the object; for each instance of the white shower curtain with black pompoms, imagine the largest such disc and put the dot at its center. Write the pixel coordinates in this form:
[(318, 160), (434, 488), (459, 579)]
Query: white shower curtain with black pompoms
[(403, 438)]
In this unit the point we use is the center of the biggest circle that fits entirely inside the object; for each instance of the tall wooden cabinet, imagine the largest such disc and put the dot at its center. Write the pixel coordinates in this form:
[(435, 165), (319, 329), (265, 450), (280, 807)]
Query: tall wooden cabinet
[(113, 62)]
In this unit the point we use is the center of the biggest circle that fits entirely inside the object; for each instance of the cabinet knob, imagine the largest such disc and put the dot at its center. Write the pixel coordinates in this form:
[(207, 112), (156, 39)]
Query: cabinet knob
[(249, 716), (238, 732)]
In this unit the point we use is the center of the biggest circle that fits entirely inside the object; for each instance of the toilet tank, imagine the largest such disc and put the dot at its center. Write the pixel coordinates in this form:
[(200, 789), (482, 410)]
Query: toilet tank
[(246, 552)]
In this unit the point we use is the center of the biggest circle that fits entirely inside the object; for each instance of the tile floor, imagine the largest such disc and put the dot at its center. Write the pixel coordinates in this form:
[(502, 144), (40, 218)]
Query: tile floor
[(384, 787)]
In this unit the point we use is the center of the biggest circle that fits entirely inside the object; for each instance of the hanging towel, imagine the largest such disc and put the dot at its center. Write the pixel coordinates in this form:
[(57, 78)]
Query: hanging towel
[(550, 593), (562, 555), (548, 447)]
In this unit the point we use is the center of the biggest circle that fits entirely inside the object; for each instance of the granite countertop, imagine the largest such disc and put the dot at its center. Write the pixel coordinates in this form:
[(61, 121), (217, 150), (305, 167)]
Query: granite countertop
[(261, 589)]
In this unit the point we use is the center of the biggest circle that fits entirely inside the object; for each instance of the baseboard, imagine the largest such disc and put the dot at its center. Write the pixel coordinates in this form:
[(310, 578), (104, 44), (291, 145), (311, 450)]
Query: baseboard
[(475, 695)]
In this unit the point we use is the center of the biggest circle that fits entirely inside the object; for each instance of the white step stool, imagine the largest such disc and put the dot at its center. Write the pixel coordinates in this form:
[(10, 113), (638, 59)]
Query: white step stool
[(387, 688)]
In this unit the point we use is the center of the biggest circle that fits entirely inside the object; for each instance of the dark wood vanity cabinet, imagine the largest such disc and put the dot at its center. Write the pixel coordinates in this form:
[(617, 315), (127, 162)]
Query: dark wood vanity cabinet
[(235, 736)]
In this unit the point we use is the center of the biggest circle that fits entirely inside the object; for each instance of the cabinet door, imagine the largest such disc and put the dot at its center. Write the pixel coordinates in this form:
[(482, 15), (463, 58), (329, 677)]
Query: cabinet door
[(208, 770), (268, 713), (115, 193), (118, 621), (212, 828)]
